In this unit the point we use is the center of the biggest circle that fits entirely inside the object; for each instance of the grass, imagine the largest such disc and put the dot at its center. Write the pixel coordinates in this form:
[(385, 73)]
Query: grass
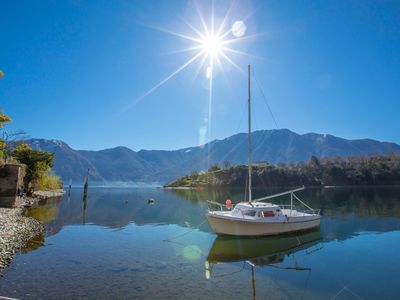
[(47, 181)]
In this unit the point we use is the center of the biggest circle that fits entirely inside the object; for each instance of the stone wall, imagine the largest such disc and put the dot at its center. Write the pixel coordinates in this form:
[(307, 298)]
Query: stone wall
[(11, 178)]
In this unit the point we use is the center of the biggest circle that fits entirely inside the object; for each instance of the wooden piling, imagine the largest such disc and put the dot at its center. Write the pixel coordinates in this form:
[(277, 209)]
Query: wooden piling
[(69, 188), (85, 193), (85, 186)]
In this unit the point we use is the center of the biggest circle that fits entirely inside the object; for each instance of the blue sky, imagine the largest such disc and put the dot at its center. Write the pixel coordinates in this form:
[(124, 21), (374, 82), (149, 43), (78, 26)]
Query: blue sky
[(74, 70)]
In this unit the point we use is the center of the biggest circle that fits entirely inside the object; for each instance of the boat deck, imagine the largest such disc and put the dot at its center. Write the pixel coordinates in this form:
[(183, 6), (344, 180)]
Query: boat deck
[(295, 213)]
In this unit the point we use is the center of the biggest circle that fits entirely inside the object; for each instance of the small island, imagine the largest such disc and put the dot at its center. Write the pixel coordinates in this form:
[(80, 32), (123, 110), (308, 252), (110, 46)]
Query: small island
[(336, 171)]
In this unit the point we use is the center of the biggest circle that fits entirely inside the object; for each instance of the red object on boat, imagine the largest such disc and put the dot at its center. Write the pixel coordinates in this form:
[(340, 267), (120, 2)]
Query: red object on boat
[(228, 203), (268, 213)]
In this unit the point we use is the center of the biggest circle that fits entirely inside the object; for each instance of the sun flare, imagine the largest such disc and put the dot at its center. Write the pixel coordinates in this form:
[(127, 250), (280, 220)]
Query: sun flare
[(212, 45)]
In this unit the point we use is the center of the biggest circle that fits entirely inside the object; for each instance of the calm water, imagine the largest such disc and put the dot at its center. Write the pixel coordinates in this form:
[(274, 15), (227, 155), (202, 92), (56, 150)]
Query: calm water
[(117, 247)]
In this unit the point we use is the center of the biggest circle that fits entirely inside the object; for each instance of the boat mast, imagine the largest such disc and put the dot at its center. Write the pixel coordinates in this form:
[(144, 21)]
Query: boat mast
[(249, 124)]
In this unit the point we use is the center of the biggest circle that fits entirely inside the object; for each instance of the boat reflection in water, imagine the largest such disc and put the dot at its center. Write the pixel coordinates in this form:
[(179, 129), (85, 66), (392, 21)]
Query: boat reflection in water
[(262, 251)]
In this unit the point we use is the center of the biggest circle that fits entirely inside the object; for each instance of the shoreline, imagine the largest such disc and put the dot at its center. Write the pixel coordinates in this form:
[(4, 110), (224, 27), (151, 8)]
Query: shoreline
[(278, 187), (17, 230)]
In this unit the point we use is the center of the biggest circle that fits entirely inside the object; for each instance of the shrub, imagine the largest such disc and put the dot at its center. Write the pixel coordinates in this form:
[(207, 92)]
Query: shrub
[(38, 168), (45, 181)]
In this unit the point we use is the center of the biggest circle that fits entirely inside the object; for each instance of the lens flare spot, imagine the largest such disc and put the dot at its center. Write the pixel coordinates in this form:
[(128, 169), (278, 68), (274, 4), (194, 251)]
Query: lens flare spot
[(202, 136), (209, 72), (192, 252), (238, 29)]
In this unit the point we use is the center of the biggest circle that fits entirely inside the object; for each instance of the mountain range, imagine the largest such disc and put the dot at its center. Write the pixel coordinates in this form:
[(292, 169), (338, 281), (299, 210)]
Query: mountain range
[(122, 165)]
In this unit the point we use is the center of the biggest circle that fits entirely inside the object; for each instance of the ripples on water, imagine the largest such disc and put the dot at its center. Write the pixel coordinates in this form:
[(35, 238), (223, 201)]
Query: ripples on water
[(116, 245)]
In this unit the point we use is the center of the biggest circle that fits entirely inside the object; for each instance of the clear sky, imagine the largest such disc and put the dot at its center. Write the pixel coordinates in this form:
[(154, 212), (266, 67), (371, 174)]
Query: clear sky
[(77, 70)]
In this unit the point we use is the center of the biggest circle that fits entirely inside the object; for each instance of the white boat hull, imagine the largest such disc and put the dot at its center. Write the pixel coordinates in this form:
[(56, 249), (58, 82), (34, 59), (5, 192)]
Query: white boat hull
[(229, 226)]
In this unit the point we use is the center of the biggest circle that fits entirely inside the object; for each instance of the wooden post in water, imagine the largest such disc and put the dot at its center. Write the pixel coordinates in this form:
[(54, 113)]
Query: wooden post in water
[(69, 188), (85, 193), (86, 185)]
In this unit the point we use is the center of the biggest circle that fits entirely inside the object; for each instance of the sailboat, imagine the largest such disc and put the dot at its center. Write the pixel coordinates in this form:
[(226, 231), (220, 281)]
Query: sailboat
[(257, 218)]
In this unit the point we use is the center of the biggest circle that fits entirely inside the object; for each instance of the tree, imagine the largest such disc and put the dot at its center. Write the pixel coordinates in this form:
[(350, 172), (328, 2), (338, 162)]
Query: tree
[(3, 119), (38, 168), (214, 168), (226, 164), (313, 161), (11, 139)]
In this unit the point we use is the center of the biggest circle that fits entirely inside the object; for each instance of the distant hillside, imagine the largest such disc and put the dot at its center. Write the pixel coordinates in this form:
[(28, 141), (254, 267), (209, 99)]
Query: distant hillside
[(122, 164), (355, 170)]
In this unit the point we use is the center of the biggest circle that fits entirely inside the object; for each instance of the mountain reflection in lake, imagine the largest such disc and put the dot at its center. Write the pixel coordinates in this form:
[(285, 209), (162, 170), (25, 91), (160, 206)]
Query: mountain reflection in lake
[(116, 245)]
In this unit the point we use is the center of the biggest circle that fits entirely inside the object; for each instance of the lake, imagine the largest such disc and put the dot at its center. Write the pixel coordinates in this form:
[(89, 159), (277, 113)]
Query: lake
[(117, 246)]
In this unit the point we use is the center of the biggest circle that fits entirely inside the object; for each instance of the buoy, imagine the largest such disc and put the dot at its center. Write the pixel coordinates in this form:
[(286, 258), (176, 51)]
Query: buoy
[(1, 73), (228, 203)]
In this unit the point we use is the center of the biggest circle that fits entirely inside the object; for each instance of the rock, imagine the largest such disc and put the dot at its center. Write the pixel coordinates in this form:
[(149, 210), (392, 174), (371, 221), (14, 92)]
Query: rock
[(48, 194), (16, 230)]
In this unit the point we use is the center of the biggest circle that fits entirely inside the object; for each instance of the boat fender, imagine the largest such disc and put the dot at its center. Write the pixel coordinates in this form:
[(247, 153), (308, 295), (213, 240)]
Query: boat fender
[(228, 203)]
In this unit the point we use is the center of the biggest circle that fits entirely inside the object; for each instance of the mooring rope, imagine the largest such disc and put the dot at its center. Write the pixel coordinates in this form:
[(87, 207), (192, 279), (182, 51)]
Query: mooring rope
[(185, 233)]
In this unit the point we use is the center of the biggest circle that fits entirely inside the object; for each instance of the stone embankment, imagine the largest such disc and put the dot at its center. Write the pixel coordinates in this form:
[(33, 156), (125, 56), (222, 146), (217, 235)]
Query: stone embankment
[(16, 230), (42, 195)]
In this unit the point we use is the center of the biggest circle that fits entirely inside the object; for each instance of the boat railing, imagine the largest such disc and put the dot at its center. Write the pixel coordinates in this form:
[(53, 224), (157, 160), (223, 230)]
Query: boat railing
[(211, 204), (305, 209), (299, 209), (223, 207)]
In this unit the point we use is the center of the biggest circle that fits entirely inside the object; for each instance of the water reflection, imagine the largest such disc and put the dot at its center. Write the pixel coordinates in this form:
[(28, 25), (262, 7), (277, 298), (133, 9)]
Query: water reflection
[(84, 208), (163, 250), (260, 252), (346, 211), (44, 212), (116, 208), (368, 201), (33, 244)]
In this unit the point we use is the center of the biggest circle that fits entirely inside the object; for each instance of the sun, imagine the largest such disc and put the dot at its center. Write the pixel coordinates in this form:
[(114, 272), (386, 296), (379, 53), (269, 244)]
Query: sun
[(212, 45)]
